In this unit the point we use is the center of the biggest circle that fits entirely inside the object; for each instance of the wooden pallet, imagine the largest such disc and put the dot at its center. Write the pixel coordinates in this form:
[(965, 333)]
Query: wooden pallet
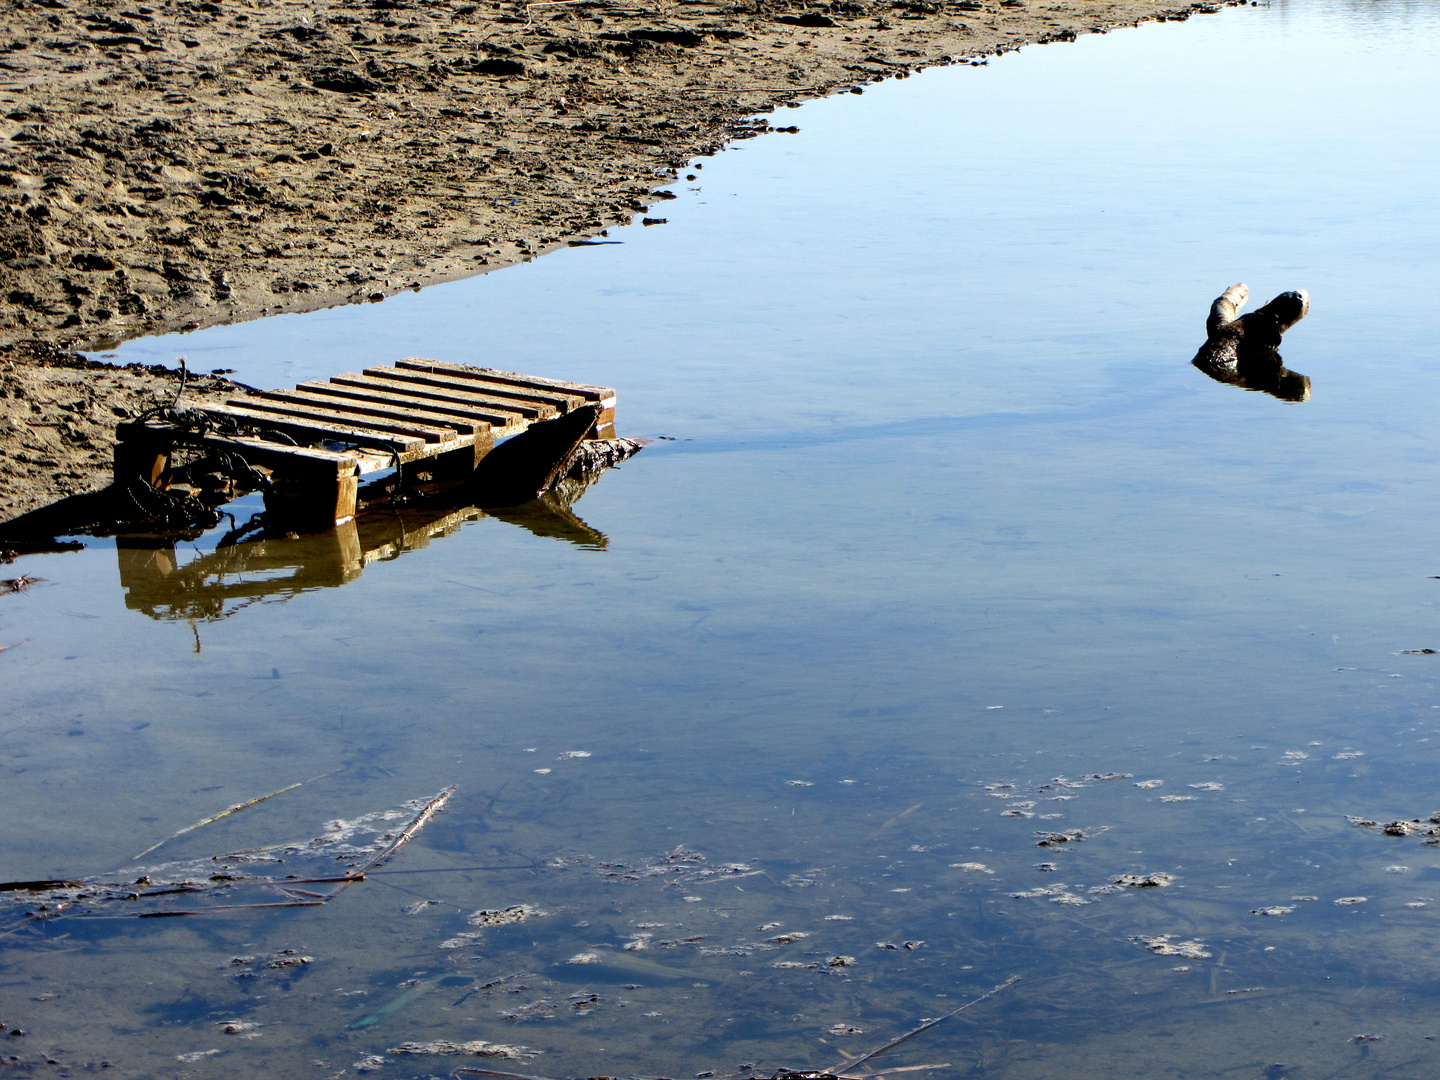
[(446, 416)]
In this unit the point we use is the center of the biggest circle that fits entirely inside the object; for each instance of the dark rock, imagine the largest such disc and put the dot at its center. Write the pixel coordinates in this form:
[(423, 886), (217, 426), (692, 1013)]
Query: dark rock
[(810, 18), (496, 65), (343, 81)]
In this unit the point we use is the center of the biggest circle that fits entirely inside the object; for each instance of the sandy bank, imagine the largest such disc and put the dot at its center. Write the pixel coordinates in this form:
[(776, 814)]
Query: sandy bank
[(188, 163)]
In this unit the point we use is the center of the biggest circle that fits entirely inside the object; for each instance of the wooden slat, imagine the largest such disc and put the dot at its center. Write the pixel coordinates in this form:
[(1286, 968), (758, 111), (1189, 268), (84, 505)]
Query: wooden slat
[(258, 451), (383, 410), (431, 433), (528, 408), (316, 430), (460, 376), (604, 395), (366, 388)]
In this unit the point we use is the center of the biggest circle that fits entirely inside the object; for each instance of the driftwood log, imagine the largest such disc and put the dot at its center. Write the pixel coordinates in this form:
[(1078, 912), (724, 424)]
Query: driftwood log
[(1243, 350)]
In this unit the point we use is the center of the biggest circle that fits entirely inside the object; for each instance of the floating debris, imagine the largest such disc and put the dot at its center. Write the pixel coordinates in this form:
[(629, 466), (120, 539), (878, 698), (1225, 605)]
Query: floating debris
[(1416, 904), (1346, 755), (1208, 785), (1178, 798), (1166, 945), (1058, 893), (845, 1029), (369, 1064), (206, 886), (239, 1027), (840, 961), (789, 964), (1366, 1038), (584, 958), (18, 584), (1429, 828), (800, 783), (423, 905), (505, 916), (1403, 652), (1397, 869), (289, 958), (460, 941), (1276, 909), (1304, 899), (475, 1048), (1017, 813), (1347, 900), (571, 755), (972, 867), (535, 1010), (1147, 881), (1148, 784), (1245, 990), (1112, 776), (786, 939), (1054, 839)]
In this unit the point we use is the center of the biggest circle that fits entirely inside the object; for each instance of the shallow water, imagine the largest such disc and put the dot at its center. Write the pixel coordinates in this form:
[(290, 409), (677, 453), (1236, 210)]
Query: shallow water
[(945, 509)]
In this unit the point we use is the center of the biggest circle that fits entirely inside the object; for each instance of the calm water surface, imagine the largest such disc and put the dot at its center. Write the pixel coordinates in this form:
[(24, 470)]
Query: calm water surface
[(945, 529)]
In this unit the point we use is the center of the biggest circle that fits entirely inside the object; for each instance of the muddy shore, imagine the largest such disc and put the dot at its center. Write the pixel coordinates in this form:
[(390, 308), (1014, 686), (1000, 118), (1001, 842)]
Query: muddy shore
[(173, 166)]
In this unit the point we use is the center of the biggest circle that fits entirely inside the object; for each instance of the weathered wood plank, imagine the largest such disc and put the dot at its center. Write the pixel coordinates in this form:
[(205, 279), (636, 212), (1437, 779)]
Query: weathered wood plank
[(269, 455), (341, 433), (455, 375), (382, 410), (432, 433), (363, 388), (601, 394), (444, 388)]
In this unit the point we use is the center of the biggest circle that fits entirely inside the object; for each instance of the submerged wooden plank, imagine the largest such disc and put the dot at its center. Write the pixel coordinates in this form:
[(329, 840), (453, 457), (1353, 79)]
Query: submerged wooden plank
[(432, 433), (340, 433), (603, 395), (381, 409), (533, 407)]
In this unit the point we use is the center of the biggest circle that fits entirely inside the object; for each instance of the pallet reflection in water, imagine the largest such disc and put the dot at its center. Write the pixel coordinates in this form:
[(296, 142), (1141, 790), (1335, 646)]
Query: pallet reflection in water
[(273, 568)]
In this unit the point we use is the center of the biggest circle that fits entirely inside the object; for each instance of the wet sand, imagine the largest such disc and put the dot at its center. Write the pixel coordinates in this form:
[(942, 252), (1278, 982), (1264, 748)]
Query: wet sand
[(187, 164)]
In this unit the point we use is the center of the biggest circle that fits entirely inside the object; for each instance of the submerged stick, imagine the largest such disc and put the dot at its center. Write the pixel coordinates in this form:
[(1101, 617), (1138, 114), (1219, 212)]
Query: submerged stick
[(507, 1075), (894, 821), (429, 810), (850, 1063), (232, 810)]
